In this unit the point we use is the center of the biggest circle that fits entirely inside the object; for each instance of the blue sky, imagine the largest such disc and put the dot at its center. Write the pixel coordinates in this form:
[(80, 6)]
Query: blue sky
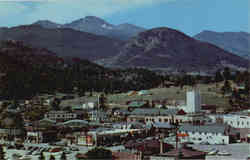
[(188, 16)]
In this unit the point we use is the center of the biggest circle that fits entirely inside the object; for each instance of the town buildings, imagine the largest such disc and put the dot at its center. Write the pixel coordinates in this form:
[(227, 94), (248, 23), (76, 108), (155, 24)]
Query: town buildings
[(237, 120), (208, 134), (140, 128), (60, 115)]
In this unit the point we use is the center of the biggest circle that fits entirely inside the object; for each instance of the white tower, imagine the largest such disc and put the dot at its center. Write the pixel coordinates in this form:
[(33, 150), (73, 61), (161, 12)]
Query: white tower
[(193, 101)]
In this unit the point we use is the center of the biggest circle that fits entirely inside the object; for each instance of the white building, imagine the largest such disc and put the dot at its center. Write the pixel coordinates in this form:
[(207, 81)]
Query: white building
[(89, 105), (201, 119), (207, 134), (47, 102), (60, 115), (237, 121), (96, 115), (193, 102)]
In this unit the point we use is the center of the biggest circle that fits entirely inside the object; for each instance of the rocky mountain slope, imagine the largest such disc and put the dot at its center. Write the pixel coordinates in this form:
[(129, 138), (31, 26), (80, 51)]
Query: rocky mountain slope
[(234, 42), (170, 49)]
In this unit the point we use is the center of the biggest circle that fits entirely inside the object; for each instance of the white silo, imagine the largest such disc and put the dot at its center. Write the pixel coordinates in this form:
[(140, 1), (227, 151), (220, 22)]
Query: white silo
[(193, 101)]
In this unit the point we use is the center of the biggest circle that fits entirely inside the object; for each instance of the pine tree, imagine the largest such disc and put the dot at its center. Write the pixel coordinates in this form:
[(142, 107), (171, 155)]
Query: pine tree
[(247, 86), (52, 157), (41, 157), (99, 153), (2, 153), (103, 101), (227, 74), (218, 77), (63, 156), (226, 88)]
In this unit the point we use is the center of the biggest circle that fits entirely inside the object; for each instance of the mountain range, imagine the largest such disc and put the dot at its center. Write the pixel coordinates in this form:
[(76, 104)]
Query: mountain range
[(98, 26), (170, 49), (158, 48), (64, 42), (234, 42)]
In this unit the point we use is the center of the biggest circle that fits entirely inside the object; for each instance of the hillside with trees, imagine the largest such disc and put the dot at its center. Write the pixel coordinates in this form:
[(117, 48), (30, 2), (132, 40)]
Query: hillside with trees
[(27, 71)]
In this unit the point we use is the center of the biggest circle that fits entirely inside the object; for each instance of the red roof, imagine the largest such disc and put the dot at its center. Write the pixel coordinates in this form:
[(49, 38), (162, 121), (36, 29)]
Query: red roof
[(181, 112), (182, 135), (53, 150)]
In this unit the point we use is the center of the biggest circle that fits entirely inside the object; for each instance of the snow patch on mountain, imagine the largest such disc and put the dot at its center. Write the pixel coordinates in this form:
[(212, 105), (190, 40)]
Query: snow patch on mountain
[(106, 26)]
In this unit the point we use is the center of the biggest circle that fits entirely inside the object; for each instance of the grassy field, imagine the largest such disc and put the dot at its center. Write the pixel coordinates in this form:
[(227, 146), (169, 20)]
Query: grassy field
[(209, 95)]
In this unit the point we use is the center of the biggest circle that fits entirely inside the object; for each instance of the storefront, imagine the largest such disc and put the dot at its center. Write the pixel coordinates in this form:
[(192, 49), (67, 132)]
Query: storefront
[(85, 140), (34, 137)]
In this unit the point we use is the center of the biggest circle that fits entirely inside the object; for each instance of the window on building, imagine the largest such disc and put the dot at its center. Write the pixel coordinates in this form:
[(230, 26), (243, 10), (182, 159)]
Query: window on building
[(159, 119), (238, 123), (166, 120)]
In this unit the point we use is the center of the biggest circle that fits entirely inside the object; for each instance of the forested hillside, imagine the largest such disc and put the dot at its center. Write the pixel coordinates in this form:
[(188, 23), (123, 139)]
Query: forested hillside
[(27, 71)]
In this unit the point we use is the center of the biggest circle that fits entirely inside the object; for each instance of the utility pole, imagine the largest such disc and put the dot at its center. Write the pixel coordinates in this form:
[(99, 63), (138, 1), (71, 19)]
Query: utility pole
[(176, 127), (98, 108)]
